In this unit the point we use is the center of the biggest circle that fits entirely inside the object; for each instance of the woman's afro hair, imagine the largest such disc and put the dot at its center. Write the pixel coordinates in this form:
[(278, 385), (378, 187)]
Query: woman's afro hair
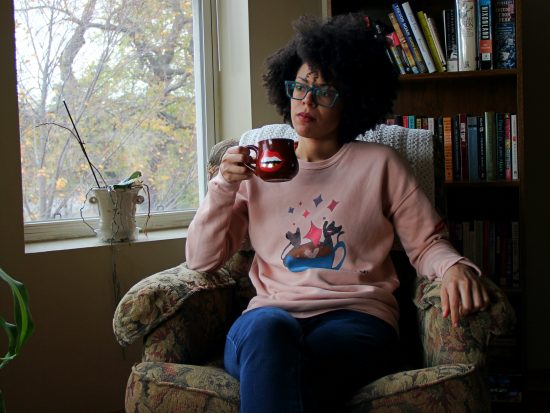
[(351, 56)]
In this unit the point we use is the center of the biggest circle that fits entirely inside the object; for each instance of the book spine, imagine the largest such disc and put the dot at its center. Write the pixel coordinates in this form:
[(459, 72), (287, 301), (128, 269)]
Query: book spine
[(514, 127), (437, 41), (457, 163), (485, 30), (407, 32), (464, 162), (500, 152), (507, 148), (395, 56), (422, 19), (482, 152), (515, 255), (419, 37), (403, 42), (466, 25), (451, 42), (490, 145), (505, 34), (471, 131), (448, 148)]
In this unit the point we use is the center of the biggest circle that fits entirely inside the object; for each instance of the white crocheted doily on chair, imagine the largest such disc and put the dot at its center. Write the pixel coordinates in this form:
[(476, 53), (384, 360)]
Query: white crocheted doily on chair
[(415, 145)]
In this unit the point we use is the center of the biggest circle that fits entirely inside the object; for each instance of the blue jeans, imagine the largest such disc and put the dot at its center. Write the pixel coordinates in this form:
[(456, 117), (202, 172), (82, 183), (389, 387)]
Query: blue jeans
[(286, 364)]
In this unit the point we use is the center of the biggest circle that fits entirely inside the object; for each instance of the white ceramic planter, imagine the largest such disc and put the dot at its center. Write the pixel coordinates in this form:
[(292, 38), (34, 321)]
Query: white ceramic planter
[(117, 213)]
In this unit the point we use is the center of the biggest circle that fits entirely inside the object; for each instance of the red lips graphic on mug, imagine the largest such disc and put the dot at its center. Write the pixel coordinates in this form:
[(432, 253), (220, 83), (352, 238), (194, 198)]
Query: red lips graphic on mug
[(275, 160), (271, 161)]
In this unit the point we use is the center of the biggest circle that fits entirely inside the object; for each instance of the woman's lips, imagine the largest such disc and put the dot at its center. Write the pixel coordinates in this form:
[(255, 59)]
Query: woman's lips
[(305, 117)]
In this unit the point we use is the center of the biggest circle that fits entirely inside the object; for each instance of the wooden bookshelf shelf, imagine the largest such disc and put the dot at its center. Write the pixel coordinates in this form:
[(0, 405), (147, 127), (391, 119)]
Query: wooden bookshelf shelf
[(477, 74), (482, 184)]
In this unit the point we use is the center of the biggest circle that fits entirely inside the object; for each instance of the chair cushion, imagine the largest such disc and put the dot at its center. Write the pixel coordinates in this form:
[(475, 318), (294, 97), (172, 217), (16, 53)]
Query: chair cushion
[(167, 387), (452, 388), (171, 388)]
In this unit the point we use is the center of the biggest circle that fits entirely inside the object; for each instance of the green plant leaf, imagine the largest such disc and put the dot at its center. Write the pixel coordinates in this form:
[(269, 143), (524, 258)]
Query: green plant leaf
[(20, 332), (128, 182)]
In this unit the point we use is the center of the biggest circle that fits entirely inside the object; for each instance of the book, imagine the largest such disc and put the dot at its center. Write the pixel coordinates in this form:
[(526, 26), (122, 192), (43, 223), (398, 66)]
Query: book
[(466, 35), (482, 152), (396, 57), (419, 37), (500, 146), (437, 40), (448, 148), (505, 34), (457, 161), (515, 255), (404, 45), (507, 148), (451, 43), (485, 34), (490, 145), (463, 133), (473, 152), (423, 20), (409, 37), (514, 128)]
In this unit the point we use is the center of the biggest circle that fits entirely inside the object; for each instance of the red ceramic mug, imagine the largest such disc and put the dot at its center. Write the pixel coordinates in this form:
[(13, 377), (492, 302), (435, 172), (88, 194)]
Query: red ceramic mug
[(275, 160)]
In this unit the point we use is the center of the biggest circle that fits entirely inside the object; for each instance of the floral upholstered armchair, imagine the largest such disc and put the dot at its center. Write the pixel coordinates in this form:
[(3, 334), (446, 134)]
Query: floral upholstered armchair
[(182, 317)]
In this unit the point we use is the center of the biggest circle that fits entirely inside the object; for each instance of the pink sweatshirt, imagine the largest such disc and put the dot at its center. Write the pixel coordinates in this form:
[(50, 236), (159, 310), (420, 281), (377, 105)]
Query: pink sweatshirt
[(322, 240)]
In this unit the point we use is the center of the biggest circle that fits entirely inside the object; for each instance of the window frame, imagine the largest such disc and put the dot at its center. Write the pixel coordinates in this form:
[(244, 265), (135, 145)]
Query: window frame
[(205, 25)]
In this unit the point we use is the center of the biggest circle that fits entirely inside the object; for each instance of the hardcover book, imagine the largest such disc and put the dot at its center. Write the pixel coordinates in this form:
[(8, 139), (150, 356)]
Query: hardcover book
[(505, 34), (448, 147), (485, 34), (473, 149), (500, 146), (450, 36), (482, 152), (466, 34), (514, 126), (490, 145)]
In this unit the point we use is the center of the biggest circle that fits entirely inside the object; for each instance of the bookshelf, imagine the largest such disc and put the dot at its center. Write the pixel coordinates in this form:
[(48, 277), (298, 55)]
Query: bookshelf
[(473, 92)]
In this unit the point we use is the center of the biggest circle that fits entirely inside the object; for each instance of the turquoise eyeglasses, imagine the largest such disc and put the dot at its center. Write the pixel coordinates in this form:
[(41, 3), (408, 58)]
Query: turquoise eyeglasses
[(323, 96)]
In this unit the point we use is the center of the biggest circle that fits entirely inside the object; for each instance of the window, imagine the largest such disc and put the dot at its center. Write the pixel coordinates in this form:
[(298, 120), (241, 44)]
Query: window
[(130, 75)]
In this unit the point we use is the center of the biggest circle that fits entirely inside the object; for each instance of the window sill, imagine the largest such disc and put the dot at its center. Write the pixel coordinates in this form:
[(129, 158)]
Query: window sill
[(94, 242)]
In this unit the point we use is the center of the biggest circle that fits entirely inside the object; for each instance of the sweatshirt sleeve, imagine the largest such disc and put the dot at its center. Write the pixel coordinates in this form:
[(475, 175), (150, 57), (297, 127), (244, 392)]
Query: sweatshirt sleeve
[(219, 226), (421, 230)]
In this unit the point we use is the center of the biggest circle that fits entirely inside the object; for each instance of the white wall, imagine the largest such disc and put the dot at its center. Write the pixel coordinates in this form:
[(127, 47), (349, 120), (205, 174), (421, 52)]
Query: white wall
[(249, 35), (73, 363)]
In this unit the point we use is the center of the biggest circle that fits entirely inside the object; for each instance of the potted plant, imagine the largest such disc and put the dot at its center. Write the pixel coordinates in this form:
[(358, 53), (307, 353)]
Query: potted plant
[(21, 330)]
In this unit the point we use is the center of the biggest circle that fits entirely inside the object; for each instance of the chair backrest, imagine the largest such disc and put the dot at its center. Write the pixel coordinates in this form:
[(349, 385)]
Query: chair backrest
[(414, 145)]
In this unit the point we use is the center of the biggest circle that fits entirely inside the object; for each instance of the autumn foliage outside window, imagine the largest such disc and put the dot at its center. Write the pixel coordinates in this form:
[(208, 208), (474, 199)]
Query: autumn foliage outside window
[(125, 69)]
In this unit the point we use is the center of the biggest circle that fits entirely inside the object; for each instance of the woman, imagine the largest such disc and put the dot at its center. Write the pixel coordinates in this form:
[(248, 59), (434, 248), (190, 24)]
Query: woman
[(315, 333)]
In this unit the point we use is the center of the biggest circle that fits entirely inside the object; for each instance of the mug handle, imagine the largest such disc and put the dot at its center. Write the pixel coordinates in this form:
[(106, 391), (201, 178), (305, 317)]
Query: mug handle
[(252, 166)]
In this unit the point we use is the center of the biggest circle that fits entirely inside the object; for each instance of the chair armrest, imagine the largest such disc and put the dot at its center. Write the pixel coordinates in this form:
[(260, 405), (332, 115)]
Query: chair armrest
[(195, 334), (467, 343), (159, 296)]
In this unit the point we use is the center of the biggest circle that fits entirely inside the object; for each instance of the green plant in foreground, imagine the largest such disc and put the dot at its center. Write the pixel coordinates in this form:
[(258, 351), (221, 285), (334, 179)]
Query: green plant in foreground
[(20, 332)]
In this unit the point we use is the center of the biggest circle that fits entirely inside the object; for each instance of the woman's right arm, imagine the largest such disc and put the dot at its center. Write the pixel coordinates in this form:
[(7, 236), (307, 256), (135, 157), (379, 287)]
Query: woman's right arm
[(221, 222)]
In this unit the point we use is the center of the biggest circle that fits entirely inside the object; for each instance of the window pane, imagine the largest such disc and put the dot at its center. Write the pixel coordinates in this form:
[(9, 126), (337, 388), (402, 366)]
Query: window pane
[(125, 70)]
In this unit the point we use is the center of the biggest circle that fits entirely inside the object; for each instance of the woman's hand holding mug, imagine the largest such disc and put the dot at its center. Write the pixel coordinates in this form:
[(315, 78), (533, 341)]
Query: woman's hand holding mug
[(275, 161)]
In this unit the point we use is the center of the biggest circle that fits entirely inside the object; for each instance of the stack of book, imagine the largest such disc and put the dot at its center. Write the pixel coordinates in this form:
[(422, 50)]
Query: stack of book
[(477, 35), (475, 148)]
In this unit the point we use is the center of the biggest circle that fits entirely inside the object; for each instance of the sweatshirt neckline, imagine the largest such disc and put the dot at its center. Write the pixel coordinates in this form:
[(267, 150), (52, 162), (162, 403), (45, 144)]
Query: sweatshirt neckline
[(325, 163)]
